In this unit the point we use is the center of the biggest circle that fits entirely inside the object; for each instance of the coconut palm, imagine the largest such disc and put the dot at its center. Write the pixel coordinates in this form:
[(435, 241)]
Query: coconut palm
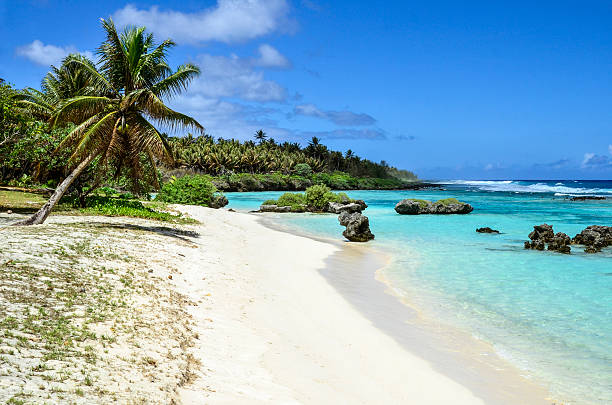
[(113, 117), (260, 136)]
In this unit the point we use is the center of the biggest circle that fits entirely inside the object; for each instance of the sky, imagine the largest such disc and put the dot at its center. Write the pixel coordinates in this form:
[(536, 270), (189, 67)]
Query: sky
[(449, 90)]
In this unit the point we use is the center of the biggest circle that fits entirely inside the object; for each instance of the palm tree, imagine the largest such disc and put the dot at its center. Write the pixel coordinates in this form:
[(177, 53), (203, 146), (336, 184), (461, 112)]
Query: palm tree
[(112, 117), (260, 136)]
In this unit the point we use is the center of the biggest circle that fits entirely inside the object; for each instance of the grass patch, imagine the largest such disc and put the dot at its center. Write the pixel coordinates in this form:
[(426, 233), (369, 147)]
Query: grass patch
[(19, 201), (24, 202)]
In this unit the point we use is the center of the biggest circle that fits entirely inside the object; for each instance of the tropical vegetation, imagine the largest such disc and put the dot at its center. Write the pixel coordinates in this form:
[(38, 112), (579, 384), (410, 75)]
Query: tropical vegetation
[(110, 105)]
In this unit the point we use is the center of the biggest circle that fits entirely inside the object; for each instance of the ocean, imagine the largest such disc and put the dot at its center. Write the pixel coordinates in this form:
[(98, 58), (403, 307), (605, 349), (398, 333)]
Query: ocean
[(547, 313)]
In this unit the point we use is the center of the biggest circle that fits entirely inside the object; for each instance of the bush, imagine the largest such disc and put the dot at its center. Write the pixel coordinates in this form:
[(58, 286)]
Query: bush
[(318, 196), (295, 200), (192, 190), (303, 169)]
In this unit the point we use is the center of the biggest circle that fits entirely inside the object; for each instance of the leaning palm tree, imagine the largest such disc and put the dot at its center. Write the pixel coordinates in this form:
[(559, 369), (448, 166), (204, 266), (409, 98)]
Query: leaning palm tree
[(113, 118)]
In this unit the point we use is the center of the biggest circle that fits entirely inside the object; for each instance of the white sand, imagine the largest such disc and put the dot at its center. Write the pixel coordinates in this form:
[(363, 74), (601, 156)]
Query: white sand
[(272, 330)]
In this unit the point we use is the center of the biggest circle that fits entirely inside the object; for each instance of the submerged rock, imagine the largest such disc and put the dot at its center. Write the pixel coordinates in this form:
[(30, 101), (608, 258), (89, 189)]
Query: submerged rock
[(447, 206), (486, 229), (587, 197), (594, 238), (357, 226), (544, 234)]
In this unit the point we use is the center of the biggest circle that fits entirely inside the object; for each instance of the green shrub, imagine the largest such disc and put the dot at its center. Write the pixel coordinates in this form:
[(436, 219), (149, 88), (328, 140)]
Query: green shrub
[(294, 200), (318, 196), (303, 169), (193, 190)]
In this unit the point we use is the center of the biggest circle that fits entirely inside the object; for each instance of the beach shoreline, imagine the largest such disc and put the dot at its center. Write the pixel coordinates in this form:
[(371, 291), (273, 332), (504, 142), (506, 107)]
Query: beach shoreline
[(466, 359), (308, 341)]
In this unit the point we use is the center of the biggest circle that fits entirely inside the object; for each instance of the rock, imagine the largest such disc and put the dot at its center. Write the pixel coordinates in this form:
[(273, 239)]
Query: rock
[(338, 208), (486, 230), (9, 212), (361, 203), (594, 238), (357, 226), (443, 207), (218, 201), (408, 207), (274, 208), (231, 210), (560, 243), (587, 197), (542, 232)]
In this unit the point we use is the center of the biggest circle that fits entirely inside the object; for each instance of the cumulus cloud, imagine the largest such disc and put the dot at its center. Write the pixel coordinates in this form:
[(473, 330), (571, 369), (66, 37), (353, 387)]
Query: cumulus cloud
[(337, 117), (228, 21), (46, 55), (232, 76), (594, 161), (270, 57)]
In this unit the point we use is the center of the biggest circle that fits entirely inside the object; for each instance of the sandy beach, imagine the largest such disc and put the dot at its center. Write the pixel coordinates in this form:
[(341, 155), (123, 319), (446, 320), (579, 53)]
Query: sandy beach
[(260, 323)]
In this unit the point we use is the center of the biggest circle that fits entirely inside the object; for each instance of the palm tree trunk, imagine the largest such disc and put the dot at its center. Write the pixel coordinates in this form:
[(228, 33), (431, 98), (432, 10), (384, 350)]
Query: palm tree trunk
[(42, 214)]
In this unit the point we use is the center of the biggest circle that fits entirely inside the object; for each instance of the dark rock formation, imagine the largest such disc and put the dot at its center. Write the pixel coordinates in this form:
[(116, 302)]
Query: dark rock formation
[(587, 197), (560, 243), (486, 229), (357, 226), (218, 201), (448, 206), (544, 234), (594, 238)]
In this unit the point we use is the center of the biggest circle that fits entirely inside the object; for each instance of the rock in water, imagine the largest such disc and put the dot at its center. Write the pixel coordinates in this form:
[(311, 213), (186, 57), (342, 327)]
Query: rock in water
[(448, 206), (594, 238), (357, 226), (486, 229), (274, 208), (543, 234), (560, 243), (338, 208)]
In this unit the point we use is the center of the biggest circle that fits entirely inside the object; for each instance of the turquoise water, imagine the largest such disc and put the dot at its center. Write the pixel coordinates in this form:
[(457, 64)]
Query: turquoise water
[(548, 313)]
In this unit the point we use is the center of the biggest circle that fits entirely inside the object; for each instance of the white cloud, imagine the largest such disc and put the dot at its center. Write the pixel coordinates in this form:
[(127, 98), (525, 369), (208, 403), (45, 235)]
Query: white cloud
[(610, 149), (270, 57), (594, 161), (47, 55), (234, 77), (228, 21), (337, 117)]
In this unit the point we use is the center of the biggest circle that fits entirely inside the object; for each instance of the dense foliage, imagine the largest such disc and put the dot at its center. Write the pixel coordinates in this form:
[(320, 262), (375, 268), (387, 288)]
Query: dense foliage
[(193, 190), (316, 198), (206, 155)]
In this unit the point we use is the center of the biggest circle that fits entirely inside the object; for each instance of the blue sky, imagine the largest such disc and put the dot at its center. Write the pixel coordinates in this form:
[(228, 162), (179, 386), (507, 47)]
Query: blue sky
[(481, 90)]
